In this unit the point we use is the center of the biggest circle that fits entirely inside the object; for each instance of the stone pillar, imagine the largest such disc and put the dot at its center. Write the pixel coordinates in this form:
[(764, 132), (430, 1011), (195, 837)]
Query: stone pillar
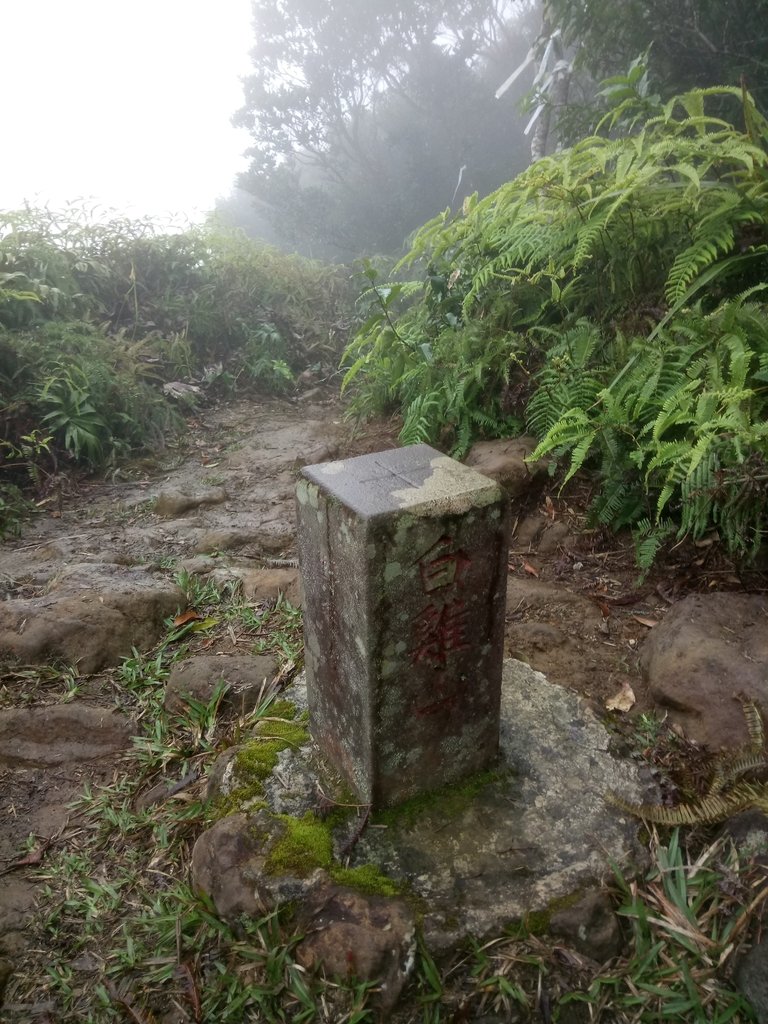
[(404, 562)]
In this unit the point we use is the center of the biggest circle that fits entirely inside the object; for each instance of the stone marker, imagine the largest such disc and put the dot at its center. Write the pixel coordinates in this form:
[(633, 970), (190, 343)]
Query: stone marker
[(403, 556)]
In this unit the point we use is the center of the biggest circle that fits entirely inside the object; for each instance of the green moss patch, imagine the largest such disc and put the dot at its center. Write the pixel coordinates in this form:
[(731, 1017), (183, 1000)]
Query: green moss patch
[(255, 761), (366, 878), (305, 845)]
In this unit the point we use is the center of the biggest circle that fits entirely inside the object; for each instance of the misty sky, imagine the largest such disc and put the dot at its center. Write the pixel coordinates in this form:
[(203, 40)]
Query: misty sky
[(126, 102)]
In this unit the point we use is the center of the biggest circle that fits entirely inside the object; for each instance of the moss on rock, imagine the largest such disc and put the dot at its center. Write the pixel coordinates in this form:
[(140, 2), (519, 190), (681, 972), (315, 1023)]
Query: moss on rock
[(366, 878), (446, 803), (305, 845)]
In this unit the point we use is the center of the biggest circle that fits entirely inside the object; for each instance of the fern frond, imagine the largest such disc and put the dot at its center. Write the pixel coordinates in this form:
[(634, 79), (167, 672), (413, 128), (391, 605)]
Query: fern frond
[(705, 811)]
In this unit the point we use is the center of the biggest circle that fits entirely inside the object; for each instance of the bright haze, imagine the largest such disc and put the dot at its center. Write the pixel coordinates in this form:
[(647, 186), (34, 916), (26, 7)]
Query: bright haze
[(127, 105)]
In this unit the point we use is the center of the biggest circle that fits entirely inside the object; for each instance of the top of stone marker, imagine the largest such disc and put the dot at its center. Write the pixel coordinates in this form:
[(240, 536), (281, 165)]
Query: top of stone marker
[(416, 479)]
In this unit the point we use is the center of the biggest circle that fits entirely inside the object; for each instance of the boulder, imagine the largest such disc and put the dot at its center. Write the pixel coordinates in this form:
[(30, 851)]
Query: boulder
[(91, 617), (248, 678), (507, 844), (708, 650), (504, 461), (352, 935)]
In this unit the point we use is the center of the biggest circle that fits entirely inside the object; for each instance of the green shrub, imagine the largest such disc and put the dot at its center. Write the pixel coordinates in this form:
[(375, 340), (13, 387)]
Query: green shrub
[(609, 292)]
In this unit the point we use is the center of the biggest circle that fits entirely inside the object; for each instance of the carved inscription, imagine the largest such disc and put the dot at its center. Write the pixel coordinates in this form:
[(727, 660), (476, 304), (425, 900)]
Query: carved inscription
[(440, 629)]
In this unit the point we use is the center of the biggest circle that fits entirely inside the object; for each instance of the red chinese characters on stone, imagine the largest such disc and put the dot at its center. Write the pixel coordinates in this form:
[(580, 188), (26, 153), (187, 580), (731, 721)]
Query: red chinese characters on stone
[(442, 567), (441, 627), (439, 630)]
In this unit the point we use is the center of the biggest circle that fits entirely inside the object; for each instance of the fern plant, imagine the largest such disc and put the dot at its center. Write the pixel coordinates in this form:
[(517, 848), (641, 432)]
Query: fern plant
[(615, 285), (734, 783)]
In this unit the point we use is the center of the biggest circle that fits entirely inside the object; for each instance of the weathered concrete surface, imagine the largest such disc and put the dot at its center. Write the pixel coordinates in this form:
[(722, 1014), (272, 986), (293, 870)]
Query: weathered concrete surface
[(403, 558), (538, 831)]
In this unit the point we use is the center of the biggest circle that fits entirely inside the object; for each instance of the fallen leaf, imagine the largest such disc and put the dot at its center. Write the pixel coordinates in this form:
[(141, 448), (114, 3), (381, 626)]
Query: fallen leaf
[(650, 623), (605, 609), (549, 508), (190, 615), (624, 700), (530, 569), (32, 859), (204, 624)]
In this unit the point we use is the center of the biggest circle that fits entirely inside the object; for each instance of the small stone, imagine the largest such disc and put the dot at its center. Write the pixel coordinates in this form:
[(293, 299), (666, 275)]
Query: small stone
[(504, 462), (221, 540), (248, 678), (552, 538), (528, 532), (6, 970), (537, 636), (269, 584), (224, 860), (751, 979), (590, 926), (172, 503), (351, 935)]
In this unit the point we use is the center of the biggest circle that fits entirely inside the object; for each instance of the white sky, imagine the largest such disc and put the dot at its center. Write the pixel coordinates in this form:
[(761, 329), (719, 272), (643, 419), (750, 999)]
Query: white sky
[(127, 103)]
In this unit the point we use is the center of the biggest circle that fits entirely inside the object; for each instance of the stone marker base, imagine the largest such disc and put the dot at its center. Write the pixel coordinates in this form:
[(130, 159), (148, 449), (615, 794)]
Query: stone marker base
[(470, 859)]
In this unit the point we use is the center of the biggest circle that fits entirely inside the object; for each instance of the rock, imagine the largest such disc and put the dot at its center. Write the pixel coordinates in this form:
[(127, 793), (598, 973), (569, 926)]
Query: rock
[(269, 584), (539, 534), (751, 979), (537, 636), (350, 935), (221, 540), (222, 863), (708, 649), (512, 843), (228, 865), (61, 734), (199, 565), (552, 537), (248, 677), (504, 461), (172, 503), (590, 926), (92, 616), (749, 832)]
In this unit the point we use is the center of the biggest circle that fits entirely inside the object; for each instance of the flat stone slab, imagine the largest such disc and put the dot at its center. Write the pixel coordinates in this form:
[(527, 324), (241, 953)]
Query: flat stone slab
[(478, 857), (539, 833)]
